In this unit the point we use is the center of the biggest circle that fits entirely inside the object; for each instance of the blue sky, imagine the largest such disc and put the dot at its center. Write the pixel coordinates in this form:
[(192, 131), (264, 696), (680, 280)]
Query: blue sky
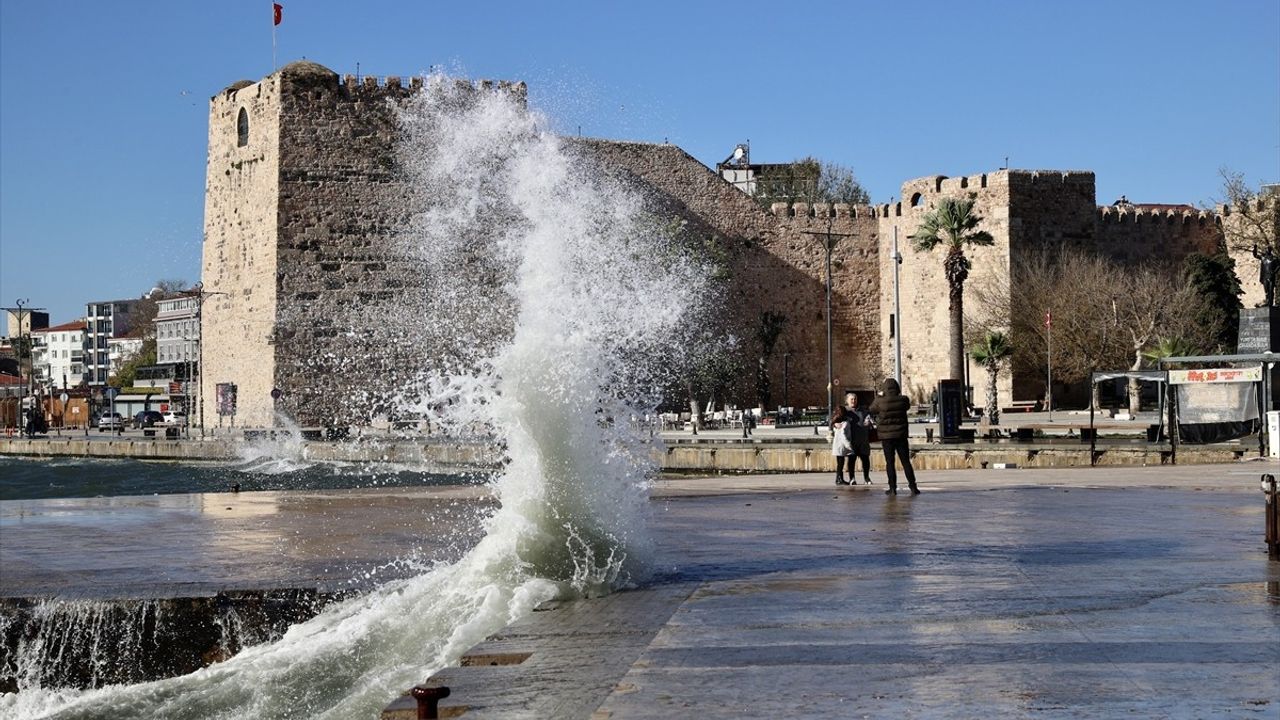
[(103, 106)]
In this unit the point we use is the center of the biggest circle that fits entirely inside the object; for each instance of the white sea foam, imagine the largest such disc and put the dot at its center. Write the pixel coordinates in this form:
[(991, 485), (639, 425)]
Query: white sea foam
[(551, 286)]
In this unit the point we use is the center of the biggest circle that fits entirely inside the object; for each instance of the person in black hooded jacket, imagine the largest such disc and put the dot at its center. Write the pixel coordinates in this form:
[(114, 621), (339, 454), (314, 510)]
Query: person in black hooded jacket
[(890, 413)]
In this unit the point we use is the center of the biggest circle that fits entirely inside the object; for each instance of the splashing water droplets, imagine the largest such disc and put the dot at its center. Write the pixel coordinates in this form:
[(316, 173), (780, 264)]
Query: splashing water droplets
[(545, 289)]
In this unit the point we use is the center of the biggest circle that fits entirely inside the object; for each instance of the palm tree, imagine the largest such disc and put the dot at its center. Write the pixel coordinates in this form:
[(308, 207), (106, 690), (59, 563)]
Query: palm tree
[(953, 223), (1169, 347), (992, 351)]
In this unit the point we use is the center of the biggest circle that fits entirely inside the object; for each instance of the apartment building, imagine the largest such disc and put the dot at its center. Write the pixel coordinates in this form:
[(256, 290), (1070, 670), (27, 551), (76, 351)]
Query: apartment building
[(104, 320), (58, 354), (178, 329)]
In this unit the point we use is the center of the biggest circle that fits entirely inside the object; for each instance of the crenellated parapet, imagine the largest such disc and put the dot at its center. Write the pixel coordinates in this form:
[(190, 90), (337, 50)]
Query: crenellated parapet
[(1256, 205), (396, 87), (316, 78), (923, 192), (1139, 214), (1049, 179)]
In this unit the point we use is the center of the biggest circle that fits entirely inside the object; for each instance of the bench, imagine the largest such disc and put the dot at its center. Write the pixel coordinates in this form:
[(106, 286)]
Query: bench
[(1021, 406)]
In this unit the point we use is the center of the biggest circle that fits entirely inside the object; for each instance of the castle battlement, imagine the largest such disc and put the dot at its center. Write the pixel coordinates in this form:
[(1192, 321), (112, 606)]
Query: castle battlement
[(821, 210), (927, 187), (1259, 204), (919, 191), (395, 85), (316, 77), (1169, 216), (1048, 178)]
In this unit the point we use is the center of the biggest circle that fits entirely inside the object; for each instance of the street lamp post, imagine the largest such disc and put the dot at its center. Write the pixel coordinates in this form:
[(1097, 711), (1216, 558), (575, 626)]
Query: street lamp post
[(24, 343), (828, 240), (786, 373), (201, 293), (897, 312), (186, 386), (22, 402)]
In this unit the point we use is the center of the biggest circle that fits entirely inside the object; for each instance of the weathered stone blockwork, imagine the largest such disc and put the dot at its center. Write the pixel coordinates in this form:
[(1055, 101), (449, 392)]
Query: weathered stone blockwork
[(1024, 211), (1247, 266), (300, 237), (925, 321), (777, 265), (242, 198), (302, 219)]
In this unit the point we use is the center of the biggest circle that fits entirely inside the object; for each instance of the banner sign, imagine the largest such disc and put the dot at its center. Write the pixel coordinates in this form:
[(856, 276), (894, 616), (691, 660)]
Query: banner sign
[(226, 398), (1215, 375)]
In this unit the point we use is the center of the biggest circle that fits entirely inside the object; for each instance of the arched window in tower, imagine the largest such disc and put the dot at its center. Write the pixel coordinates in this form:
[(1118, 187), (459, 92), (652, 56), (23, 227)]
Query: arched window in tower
[(242, 128)]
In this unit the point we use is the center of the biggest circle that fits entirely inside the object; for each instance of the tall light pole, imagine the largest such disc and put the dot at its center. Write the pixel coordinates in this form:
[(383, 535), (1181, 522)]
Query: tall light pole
[(1048, 388), (786, 371), (24, 343), (897, 312), (828, 240), (201, 293)]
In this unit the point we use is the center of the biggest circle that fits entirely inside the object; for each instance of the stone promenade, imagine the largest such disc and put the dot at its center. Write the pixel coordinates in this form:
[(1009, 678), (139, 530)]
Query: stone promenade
[(1140, 592), (1055, 593)]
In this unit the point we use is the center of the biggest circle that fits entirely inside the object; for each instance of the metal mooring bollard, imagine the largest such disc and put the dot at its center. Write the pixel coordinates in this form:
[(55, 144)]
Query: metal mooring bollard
[(429, 700), (1272, 516)]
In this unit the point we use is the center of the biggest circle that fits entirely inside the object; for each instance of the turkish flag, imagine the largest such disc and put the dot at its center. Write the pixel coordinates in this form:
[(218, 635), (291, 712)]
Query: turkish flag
[(278, 9), (1048, 319)]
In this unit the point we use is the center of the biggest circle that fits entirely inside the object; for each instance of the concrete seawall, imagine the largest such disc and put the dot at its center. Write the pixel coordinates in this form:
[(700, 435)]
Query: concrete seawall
[(816, 457), (679, 455)]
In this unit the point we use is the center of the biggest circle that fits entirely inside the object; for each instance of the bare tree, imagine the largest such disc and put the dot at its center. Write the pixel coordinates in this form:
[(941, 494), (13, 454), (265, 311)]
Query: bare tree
[(1252, 225), (1105, 314), (810, 180), (1154, 303)]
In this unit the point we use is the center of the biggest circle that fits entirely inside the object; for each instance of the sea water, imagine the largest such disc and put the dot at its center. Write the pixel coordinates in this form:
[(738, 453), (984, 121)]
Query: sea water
[(554, 287)]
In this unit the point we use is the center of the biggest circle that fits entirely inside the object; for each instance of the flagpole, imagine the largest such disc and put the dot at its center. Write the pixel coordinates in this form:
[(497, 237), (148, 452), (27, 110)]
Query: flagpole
[(273, 37)]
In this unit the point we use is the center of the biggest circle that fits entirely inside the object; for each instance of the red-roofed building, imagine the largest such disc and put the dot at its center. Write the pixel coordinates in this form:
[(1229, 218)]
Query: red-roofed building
[(11, 391)]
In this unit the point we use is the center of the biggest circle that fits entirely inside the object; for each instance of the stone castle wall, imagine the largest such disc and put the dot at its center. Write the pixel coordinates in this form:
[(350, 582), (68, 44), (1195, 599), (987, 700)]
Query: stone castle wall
[(1247, 266), (1138, 234), (342, 202), (776, 265), (925, 322), (301, 236), (310, 274), (242, 198), (1025, 211)]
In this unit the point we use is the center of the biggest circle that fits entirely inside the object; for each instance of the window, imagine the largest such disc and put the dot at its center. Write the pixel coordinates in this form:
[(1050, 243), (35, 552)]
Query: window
[(242, 128)]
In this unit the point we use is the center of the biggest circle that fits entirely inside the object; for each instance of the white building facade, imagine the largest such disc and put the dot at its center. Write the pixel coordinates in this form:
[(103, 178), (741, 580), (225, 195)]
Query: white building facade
[(120, 350), (58, 355), (178, 329)]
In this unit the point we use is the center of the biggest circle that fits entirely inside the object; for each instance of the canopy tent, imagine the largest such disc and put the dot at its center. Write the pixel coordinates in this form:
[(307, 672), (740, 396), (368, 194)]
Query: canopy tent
[(1155, 376), (1149, 375), (1249, 398)]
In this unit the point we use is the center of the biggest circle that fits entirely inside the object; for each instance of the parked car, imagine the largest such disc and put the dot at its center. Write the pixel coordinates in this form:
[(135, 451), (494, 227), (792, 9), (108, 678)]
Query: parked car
[(110, 421), (147, 418), (175, 417)]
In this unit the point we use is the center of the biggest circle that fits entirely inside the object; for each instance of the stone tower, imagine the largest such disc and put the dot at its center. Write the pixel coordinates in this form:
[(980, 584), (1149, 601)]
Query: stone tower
[(302, 200)]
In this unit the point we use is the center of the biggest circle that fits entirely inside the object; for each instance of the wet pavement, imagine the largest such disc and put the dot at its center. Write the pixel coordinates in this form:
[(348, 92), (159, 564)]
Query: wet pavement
[(1082, 593), (1135, 592)]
